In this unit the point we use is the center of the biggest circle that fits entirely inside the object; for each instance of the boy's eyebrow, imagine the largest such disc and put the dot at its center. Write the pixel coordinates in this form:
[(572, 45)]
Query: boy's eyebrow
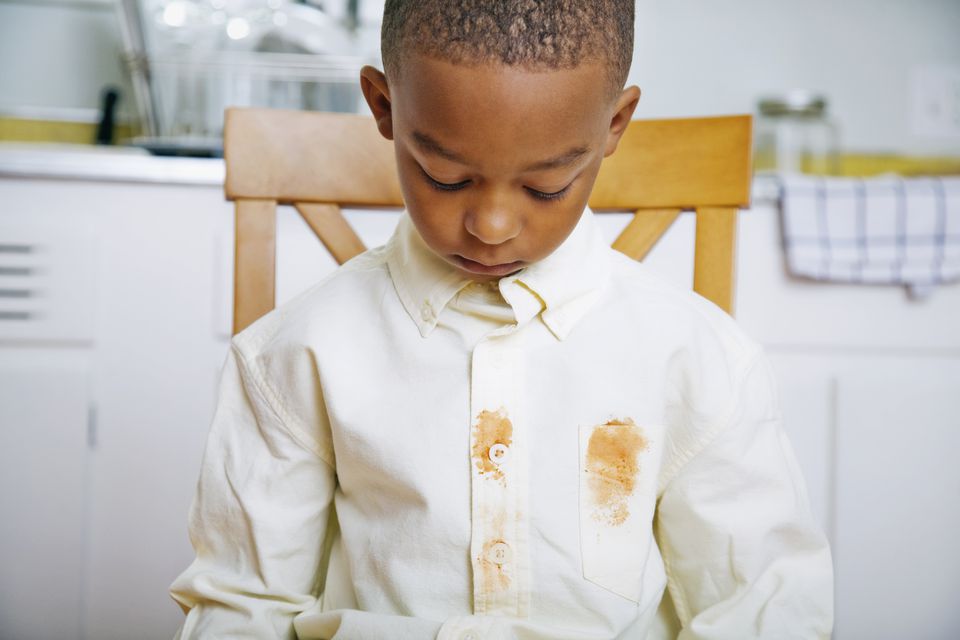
[(566, 158), (429, 145)]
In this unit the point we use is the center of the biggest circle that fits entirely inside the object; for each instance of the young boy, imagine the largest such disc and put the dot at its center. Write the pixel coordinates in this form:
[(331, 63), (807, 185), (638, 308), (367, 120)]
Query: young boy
[(524, 433)]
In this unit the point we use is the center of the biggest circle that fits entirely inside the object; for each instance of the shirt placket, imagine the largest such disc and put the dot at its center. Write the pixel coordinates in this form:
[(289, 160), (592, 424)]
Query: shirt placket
[(499, 551)]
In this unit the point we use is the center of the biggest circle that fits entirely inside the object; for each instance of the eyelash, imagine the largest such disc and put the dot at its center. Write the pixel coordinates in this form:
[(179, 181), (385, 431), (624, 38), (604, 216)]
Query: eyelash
[(456, 186), (446, 186), (556, 195)]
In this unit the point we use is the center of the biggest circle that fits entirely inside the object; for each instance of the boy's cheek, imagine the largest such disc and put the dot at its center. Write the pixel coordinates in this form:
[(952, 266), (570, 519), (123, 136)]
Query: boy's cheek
[(438, 225)]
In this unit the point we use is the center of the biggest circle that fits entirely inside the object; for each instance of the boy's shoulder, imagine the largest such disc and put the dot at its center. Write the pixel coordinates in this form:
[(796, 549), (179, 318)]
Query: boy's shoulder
[(676, 310), (706, 357), (331, 305)]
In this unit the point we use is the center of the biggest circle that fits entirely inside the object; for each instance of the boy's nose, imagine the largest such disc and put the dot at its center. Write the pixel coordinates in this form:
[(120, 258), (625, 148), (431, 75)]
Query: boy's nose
[(493, 225)]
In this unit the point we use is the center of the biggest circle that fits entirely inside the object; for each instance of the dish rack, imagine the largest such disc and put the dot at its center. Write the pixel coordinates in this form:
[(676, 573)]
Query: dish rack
[(189, 93)]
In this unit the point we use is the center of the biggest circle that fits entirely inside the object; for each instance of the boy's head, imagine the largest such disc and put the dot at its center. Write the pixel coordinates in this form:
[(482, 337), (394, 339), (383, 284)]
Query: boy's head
[(501, 113)]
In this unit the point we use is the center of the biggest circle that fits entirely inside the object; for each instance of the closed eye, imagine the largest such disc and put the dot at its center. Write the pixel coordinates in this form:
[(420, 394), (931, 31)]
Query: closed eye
[(456, 186), (543, 195), (444, 186)]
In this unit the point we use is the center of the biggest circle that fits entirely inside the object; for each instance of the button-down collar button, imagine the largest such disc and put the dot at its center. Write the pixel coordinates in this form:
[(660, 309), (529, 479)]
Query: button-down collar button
[(469, 635), (499, 553), (426, 311), (498, 453)]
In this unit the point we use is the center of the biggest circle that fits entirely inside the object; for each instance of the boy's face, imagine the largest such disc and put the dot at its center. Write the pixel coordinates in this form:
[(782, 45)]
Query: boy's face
[(496, 163)]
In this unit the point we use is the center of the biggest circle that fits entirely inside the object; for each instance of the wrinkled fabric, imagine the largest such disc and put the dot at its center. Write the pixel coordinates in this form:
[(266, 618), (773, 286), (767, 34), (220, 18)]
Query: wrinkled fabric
[(577, 451)]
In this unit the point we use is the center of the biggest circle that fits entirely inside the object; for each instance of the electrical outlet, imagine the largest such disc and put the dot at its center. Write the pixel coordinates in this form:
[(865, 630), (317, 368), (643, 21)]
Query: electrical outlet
[(935, 97)]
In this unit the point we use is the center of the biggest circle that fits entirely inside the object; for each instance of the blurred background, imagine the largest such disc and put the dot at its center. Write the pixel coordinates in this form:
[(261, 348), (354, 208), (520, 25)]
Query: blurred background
[(116, 250)]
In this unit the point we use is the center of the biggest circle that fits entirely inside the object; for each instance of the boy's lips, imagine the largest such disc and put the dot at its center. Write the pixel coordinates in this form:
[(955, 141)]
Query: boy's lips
[(488, 270)]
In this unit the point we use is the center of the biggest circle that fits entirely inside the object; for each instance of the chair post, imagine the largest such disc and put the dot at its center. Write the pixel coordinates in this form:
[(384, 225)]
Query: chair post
[(254, 273), (713, 270)]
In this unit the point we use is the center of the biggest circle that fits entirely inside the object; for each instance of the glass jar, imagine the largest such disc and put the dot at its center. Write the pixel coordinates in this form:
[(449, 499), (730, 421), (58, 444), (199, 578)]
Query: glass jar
[(793, 134)]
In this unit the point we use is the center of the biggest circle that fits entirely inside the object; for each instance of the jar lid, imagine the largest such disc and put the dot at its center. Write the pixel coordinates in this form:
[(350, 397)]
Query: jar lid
[(798, 102)]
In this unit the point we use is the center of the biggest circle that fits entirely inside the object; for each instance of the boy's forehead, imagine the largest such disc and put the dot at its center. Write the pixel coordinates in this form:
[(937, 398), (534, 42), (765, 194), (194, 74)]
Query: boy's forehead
[(491, 102)]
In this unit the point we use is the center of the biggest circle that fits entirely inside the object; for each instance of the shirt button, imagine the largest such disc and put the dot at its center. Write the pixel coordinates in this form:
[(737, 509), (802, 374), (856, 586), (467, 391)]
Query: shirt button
[(498, 453), (426, 311), (469, 635), (499, 553)]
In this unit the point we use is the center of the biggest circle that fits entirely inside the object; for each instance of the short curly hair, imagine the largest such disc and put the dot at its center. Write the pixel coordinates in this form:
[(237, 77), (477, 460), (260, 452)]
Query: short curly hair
[(533, 34)]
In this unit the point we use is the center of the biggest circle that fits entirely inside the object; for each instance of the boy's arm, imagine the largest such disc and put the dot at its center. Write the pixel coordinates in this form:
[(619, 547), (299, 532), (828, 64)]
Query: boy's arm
[(258, 518), (744, 557), (258, 523)]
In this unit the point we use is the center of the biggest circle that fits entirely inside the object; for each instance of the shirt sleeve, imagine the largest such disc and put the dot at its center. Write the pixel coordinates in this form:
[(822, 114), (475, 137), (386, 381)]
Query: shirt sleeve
[(258, 518), (743, 555)]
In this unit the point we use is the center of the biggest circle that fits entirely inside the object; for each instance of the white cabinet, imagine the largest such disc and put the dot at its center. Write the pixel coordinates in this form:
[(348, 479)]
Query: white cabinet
[(44, 409), (898, 499), (877, 437), (157, 361), (146, 328), (47, 281)]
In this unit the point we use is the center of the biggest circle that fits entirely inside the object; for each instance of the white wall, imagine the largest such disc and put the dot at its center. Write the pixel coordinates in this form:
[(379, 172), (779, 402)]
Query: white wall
[(60, 54), (692, 57), (696, 57)]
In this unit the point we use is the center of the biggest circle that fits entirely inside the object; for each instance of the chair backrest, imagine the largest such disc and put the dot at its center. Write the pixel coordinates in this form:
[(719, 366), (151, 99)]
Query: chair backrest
[(320, 161)]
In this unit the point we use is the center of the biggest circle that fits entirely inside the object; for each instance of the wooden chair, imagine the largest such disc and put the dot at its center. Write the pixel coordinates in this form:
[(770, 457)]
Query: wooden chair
[(320, 161)]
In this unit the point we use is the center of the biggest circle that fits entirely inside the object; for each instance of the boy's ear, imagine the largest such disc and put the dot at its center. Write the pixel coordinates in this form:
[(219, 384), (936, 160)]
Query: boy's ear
[(373, 83), (623, 112)]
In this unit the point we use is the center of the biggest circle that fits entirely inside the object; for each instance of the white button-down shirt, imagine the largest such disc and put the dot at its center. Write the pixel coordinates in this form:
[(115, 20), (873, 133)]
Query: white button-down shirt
[(578, 451)]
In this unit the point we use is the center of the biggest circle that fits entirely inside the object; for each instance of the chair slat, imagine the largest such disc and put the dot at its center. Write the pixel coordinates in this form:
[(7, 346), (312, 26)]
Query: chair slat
[(307, 156), (332, 228), (643, 231), (302, 156), (685, 163), (714, 269), (254, 274)]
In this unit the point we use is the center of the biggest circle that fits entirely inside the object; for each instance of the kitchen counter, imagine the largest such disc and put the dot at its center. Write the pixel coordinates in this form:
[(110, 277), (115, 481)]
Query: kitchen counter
[(108, 164)]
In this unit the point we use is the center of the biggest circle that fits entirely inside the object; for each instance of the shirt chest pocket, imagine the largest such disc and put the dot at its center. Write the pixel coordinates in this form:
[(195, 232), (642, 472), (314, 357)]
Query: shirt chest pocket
[(619, 461)]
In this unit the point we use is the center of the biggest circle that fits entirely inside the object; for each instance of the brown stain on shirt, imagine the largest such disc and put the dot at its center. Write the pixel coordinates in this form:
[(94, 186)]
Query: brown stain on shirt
[(612, 468), (490, 428), (494, 577)]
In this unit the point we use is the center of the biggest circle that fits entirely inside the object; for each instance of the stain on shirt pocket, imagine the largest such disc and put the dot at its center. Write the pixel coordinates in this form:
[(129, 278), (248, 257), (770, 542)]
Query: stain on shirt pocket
[(612, 467), (618, 466)]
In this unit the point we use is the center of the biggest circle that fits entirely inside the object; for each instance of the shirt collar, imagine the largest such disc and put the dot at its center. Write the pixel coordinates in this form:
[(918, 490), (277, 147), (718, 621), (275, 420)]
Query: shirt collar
[(559, 289)]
